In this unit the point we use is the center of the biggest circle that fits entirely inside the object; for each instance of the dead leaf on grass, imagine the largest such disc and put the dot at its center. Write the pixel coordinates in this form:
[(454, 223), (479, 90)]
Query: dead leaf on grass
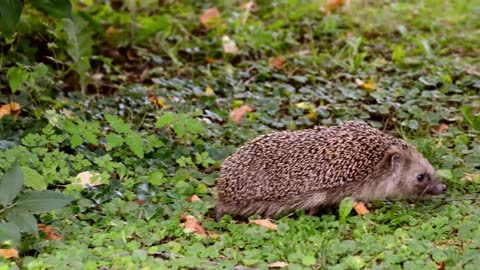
[(209, 91), (12, 108), (237, 114), (50, 233), (366, 85), (264, 223), (192, 225), (440, 128), (8, 253), (471, 177), (278, 265), (87, 178), (210, 18), (229, 45), (277, 62), (194, 198), (360, 208)]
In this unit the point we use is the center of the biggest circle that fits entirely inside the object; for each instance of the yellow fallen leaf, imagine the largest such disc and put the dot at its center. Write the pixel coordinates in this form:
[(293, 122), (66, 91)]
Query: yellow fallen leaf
[(303, 105), (8, 253), (209, 91), (162, 103), (366, 85), (264, 223), (278, 265), (471, 177)]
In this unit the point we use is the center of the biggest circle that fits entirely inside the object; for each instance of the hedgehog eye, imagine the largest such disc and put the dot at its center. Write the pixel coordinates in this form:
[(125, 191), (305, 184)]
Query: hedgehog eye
[(420, 177)]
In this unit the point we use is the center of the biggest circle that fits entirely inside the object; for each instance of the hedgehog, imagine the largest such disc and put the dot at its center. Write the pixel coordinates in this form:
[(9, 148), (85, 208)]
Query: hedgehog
[(312, 169)]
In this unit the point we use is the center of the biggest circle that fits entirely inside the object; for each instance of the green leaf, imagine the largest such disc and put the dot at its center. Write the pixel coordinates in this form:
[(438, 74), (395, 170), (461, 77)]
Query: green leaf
[(26, 222), (16, 76), (90, 137), (470, 118), (36, 202), (194, 126), (447, 174), (9, 15), (54, 8), (113, 140), (166, 119), (79, 46), (76, 140), (346, 206), (136, 144), (118, 124), (9, 232), (309, 260), (11, 184), (156, 178), (33, 179), (179, 128)]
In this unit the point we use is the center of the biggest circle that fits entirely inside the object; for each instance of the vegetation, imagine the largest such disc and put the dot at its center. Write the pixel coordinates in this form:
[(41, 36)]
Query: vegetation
[(128, 108)]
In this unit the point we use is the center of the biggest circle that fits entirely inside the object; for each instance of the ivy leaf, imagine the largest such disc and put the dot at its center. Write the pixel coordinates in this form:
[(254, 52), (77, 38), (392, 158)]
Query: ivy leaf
[(9, 15), (136, 144), (113, 141), (9, 232), (33, 179), (194, 126), (11, 184), (36, 202)]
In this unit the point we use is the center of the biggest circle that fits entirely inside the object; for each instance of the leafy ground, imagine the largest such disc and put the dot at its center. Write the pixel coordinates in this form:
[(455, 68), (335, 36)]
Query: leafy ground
[(156, 124)]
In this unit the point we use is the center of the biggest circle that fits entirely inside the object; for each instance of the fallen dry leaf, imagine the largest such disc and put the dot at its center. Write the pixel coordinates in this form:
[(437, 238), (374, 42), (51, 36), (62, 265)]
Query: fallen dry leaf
[(278, 265), (210, 18), (264, 223), (440, 265), (213, 234), (440, 128), (50, 233), (194, 198), (471, 177), (366, 85), (11, 108), (229, 46), (277, 62), (360, 208), (209, 91), (8, 253), (87, 178), (334, 5), (191, 224), (237, 114), (250, 5)]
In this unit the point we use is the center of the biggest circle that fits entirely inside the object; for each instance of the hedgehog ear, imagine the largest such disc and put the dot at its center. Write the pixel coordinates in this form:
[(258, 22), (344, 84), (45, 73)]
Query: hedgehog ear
[(395, 161)]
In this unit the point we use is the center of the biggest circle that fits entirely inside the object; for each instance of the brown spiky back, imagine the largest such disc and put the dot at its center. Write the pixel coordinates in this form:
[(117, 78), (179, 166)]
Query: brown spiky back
[(286, 164)]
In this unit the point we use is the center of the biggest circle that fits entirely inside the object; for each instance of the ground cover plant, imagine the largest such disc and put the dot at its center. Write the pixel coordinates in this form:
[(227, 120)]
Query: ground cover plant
[(128, 108)]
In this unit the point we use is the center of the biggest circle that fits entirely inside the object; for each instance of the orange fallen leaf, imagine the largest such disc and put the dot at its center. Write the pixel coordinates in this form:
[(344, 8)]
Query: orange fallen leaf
[(191, 224), (360, 208), (211, 60), (229, 45), (366, 85), (264, 223), (440, 128), (11, 108), (277, 62), (8, 253), (237, 114), (210, 18), (440, 265), (278, 265), (334, 5), (110, 31), (50, 233), (194, 198)]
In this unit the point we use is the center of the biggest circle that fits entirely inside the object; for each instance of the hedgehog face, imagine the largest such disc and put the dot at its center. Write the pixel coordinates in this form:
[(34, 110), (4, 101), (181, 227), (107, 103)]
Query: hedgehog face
[(416, 177)]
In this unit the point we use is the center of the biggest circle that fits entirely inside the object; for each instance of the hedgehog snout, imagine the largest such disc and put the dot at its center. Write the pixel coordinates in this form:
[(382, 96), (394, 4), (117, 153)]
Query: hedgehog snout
[(439, 189)]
